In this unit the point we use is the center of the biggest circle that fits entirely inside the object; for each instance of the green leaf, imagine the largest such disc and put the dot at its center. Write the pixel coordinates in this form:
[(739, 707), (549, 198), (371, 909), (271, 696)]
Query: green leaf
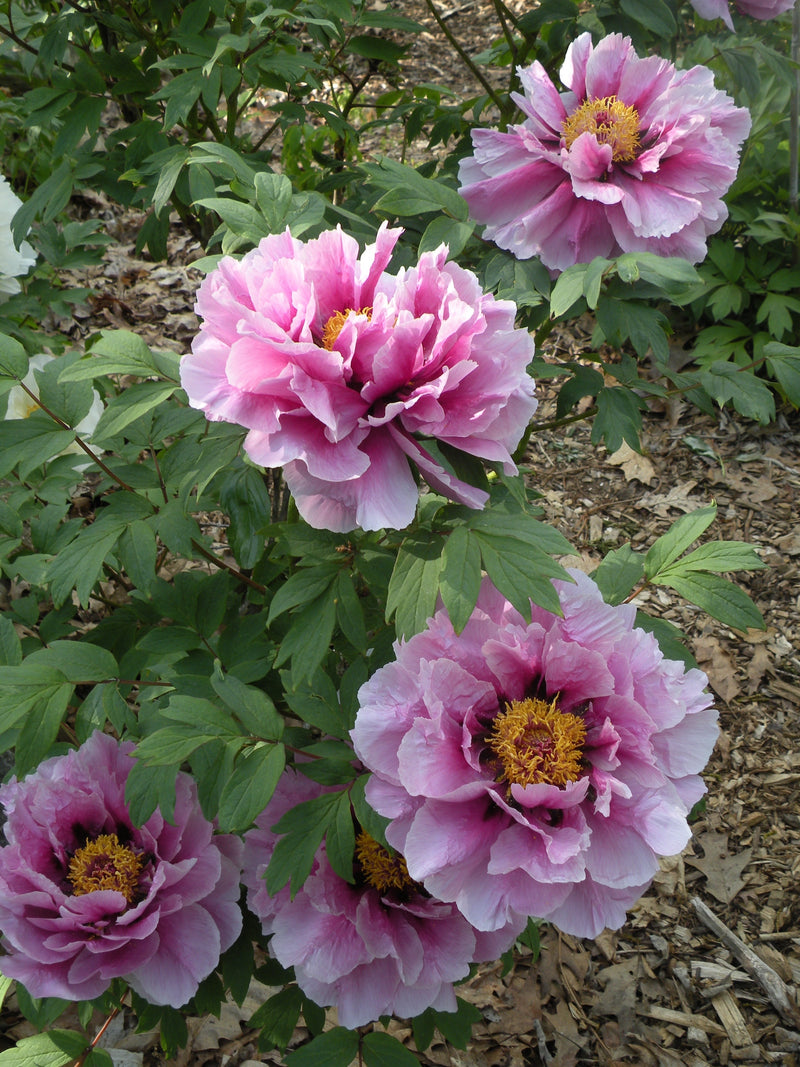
[(115, 352), (725, 382), (130, 405), (42, 1012), (414, 584), (456, 1026), (460, 577), (302, 587), (521, 573), (722, 556), (619, 417), (177, 529), (340, 840), (238, 964), (245, 498), (252, 707), (654, 15), (274, 199), (171, 745), (277, 1017), (567, 290), (52, 1049), (171, 167), (250, 787), (78, 661), (5, 985), (197, 712), (722, 599), (148, 788), (31, 690), (315, 701), (10, 644), (138, 553), (304, 827), (369, 820), (445, 230), (409, 193), (350, 611), (384, 1050), (677, 539), (334, 1048), (784, 364), (13, 358), (670, 639), (79, 565), (242, 219), (309, 636), (618, 573)]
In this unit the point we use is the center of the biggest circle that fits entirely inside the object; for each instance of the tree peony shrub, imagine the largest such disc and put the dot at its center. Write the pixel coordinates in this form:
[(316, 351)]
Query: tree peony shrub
[(337, 368), (13, 261), (536, 768), (85, 896), (380, 947), (634, 157)]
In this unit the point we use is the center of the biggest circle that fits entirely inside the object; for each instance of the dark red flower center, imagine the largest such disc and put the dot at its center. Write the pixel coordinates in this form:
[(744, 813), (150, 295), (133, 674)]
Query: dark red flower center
[(537, 744), (105, 864), (612, 123)]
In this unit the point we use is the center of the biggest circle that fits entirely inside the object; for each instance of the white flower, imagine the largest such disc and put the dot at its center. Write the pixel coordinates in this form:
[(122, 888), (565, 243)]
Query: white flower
[(13, 261), (21, 405)]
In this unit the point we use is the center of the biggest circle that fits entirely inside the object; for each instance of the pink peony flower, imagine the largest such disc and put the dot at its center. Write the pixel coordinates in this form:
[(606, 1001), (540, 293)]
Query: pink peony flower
[(379, 947), (757, 9), (336, 367), (86, 896), (764, 9), (633, 158), (536, 769)]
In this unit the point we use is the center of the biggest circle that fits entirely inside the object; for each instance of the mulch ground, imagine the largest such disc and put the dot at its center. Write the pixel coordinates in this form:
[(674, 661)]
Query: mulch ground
[(665, 990)]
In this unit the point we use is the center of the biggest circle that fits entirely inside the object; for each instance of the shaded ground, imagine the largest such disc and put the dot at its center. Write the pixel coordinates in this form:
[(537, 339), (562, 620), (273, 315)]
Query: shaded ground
[(664, 990)]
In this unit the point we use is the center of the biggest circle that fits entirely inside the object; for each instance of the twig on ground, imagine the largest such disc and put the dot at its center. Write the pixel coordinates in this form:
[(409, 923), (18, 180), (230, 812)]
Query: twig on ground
[(769, 980)]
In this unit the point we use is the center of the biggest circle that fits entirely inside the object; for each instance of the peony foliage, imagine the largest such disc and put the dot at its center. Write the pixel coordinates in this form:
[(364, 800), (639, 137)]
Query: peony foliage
[(296, 682)]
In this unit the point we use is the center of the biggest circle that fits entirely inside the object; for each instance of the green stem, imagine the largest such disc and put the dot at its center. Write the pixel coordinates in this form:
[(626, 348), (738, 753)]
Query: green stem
[(65, 426), (465, 59), (240, 575)]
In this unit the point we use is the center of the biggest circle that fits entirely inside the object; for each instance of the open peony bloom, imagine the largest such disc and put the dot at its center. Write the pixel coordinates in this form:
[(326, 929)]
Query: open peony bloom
[(337, 368), (13, 261), (86, 896), (380, 947), (20, 405), (536, 768), (757, 9), (634, 157)]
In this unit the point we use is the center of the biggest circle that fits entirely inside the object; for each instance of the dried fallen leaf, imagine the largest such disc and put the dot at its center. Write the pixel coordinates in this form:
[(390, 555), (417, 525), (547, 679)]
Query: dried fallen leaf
[(634, 466), (723, 869), (677, 499), (718, 665)]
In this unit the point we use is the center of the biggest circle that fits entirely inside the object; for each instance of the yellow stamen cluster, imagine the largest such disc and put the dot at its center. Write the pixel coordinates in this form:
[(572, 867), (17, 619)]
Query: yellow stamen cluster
[(612, 123), (537, 744), (105, 864), (382, 869), (333, 327)]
